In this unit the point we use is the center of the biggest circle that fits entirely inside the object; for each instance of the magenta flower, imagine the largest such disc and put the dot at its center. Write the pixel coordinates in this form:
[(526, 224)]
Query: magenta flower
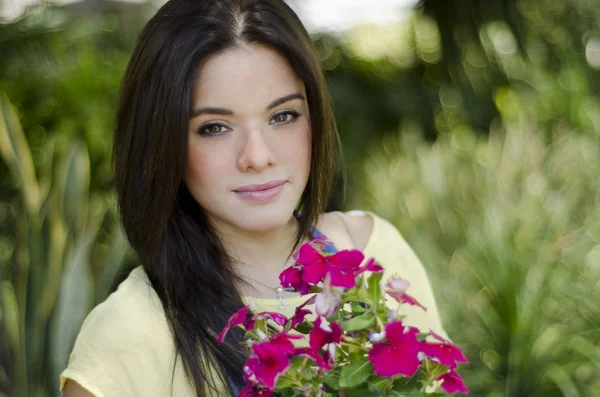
[(342, 266), (252, 390), (291, 279), (267, 363), (446, 352), (328, 300), (453, 383), (319, 243), (315, 356), (406, 298), (396, 287), (299, 316), (283, 340), (301, 312), (237, 318), (370, 266), (399, 356), (278, 318), (324, 333)]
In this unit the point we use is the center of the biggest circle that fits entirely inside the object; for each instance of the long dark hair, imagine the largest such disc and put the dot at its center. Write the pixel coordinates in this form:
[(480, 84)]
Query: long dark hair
[(182, 256)]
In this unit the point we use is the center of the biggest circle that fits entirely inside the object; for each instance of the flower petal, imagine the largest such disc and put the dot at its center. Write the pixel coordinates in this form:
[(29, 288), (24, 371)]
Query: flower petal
[(389, 361), (236, 318), (314, 273), (307, 255), (370, 266), (348, 260), (272, 361), (315, 356), (291, 278), (453, 383), (411, 301)]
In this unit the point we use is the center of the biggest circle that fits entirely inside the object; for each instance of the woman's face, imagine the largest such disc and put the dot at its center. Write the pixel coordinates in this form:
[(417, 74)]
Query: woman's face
[(249, 139)]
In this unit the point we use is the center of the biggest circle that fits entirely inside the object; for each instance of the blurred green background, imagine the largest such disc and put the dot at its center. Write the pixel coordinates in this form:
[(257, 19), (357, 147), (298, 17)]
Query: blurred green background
[(472, 125)]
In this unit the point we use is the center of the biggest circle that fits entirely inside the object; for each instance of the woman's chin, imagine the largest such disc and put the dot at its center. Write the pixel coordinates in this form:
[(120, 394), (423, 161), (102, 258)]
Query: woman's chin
[(264, 222)]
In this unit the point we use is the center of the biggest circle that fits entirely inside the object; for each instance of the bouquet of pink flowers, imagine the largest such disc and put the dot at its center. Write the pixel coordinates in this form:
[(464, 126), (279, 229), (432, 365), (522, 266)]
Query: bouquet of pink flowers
[(357, 346)]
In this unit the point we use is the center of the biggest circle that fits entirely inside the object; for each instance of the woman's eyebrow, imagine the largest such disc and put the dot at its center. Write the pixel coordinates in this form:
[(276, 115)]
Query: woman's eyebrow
[(227, 112)]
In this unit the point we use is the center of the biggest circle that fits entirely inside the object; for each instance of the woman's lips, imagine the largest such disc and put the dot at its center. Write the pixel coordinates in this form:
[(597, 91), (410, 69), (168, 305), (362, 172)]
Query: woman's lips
[(260, 192)]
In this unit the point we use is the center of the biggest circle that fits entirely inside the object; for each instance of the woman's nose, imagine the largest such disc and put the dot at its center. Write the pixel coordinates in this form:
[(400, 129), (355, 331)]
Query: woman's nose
[(256, 153)]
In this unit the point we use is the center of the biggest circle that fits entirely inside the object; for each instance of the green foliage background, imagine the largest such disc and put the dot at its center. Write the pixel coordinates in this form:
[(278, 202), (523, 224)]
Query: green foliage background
[(473, 126)]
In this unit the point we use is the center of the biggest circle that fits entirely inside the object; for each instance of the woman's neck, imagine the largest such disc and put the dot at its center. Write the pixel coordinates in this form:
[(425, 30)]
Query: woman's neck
[(259, 251)]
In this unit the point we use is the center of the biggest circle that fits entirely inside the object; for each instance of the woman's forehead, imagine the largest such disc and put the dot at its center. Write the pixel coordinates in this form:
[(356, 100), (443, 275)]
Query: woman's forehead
[(245, 77)]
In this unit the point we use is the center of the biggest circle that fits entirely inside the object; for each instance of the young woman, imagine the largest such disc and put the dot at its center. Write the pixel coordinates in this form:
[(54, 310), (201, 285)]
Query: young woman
[(224, 156)]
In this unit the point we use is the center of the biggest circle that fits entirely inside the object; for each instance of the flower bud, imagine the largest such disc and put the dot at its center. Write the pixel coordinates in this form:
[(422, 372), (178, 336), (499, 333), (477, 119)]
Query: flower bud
[(391, 315), (375, 337), (261, 334)]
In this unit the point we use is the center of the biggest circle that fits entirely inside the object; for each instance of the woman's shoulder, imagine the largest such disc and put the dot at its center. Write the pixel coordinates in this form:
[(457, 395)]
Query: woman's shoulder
[(124, 345), (357, 229), (131, 314)]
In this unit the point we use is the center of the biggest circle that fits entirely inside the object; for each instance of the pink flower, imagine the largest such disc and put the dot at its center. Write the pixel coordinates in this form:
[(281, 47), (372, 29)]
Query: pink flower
[(324, 333), (315, 356), (319, 243), (284, 341), (370, 266), (252, 390), (269, 360), (342, 266), (446, 352), (328, 300), (399, 356), (301, 312), (291, 279), (396, 287), (406, 298), (453, 383), (299, 316), (278, 318), (237, 318)]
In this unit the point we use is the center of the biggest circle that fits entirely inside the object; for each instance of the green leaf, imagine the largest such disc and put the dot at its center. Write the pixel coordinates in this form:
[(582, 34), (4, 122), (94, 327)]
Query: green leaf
[(361, 392), (379, 382), (14, 149), (374, 287), (407, 393), (332, 380), (357, 308), (436, 370), (73, 188), (359, 322), (359, 295), (304, 327), (356, 373), (284, 383)]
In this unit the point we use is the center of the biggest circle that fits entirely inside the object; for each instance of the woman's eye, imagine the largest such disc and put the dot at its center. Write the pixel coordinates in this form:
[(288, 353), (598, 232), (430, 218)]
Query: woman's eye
[(285, 117), (212, 129)]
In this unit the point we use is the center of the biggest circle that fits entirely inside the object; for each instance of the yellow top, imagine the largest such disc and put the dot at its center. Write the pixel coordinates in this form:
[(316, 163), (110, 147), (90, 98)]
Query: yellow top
[(125, 347)]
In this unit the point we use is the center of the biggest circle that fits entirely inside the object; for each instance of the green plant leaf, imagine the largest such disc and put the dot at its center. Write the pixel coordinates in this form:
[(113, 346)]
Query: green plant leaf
[(359, 322), (379, 382), (333, 379), (374, 287), (73, 188), (304, 327), (16, 153), (356, 373), (357, 308)]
